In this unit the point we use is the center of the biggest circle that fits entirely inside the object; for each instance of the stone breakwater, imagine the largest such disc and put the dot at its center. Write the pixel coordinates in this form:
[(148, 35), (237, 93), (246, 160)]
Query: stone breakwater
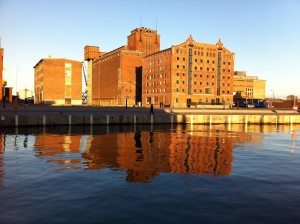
[(165, 117)]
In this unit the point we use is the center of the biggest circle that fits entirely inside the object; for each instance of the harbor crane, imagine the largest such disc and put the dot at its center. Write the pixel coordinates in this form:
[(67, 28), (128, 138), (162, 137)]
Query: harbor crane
[(85, 92)]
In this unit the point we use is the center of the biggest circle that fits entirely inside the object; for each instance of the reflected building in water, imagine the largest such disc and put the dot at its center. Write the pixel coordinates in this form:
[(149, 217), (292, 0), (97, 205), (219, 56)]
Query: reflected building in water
[(59, 149), (146, 154)]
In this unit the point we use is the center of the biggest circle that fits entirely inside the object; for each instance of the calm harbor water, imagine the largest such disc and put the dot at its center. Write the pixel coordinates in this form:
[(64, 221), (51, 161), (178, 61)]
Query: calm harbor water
[(150, 174)]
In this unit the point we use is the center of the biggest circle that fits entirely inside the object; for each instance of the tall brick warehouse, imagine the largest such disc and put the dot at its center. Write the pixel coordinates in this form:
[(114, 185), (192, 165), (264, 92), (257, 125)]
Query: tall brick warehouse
[(1, 69), (117, 75), (189, 73), (58, 81)]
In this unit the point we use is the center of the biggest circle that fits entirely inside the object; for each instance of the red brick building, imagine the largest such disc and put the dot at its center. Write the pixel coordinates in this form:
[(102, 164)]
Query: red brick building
[(117, 75), (1, 69), (189, 73), (58, 81)]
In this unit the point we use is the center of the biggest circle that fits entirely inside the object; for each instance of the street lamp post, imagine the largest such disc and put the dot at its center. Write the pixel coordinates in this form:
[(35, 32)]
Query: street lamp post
[(273, 95)]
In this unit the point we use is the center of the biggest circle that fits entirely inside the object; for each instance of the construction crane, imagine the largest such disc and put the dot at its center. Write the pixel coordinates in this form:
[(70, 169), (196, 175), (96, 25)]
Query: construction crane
[(85, 93)]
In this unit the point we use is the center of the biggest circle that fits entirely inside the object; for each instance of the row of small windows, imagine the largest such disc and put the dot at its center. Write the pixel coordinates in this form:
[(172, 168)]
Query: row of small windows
[(156, 83), (157, 61), (201, 61), (200, 83), (158, 55), (200, 100), (155, 90), (205, 91), (156, 69), (201, 68), (202, 76), (202, 53), (156, 76)]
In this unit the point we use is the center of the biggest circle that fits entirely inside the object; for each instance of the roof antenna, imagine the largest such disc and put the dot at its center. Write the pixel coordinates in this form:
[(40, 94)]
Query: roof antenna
[(156, 31), (141, 20)]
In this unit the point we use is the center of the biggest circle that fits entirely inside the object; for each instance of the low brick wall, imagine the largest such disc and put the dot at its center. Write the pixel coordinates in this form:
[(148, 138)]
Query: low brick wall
[(51, 120)]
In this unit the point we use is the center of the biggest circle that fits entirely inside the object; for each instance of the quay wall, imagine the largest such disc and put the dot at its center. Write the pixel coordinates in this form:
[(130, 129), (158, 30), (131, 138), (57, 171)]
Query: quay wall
[(132, 119)]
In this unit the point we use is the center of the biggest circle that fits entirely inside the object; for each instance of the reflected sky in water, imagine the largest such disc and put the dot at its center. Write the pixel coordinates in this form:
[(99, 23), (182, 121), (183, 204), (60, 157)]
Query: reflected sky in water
[(150, 174)]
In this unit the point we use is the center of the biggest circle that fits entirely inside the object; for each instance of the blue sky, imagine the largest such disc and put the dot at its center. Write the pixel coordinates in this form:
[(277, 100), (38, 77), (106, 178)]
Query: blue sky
[(264, 34)]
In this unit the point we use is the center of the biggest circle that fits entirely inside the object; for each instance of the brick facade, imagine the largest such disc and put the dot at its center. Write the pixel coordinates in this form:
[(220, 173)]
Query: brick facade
[(115, 74), (187, 74), (249, 87), (1, 69), (58, 81)]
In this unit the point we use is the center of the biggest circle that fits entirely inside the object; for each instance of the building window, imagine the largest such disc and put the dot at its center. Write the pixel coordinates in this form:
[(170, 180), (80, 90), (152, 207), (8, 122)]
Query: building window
[(207, 69), (207, 76), (195, 75), (182, 81), (195, 90), (178, 59), (183, 66), (196, 60), (177, 81), (183, 90), (195, 83), (207, 61), (183, 74), (212, 83), (200, 91), (195, 67), (207, 91), (177, 66), (200, 68), (68, 79), (183, 58), (207, 83), (200, 83), (200, 75), (177, 90), (177, 73), (148, 100)]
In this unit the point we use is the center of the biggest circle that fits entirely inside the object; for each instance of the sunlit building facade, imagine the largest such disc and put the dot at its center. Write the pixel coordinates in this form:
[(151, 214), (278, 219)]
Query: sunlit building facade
[(1, 70), (58, 81), (249, 87), (117, 75), (190, 73)]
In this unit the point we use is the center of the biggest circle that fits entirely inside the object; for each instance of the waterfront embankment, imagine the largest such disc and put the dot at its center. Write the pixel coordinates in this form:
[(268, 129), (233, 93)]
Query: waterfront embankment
[(84, 115)]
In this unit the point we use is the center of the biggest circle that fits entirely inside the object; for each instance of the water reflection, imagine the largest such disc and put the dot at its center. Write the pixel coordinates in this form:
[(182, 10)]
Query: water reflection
[(142, 152)]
